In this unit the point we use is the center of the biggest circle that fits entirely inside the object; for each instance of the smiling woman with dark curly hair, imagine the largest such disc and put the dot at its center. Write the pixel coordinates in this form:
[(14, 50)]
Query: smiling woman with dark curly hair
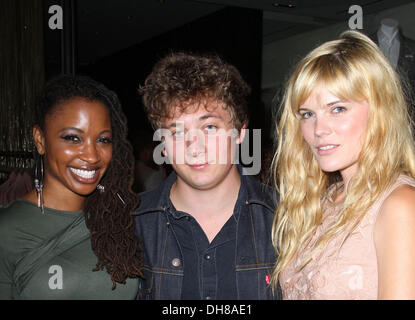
[(79, 214)]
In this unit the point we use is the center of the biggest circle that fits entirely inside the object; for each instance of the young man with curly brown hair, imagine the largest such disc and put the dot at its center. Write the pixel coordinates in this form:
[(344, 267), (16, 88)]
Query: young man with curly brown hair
[(207, 228)]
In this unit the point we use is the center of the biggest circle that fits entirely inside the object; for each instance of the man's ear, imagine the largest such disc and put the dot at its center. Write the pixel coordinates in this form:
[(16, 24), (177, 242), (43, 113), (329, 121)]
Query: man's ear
[(242, 134), (39, 139), (163, 142)]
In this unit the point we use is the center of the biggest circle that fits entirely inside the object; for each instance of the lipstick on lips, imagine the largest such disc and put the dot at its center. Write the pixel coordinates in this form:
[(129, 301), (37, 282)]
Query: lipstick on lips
[(326, 149), (85, 175), (198, 166)]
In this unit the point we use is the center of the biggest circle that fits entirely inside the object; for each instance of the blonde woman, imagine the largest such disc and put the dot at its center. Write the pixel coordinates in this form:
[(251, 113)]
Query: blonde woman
[(345, 168)]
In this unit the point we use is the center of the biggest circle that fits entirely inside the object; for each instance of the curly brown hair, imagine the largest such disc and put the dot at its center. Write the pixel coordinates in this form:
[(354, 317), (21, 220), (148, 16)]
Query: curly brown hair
[(107, 217), (180, 79)]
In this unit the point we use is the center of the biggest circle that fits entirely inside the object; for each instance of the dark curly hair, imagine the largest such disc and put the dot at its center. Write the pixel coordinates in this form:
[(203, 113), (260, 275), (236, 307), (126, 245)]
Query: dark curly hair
[(180, 79), (107, 217)]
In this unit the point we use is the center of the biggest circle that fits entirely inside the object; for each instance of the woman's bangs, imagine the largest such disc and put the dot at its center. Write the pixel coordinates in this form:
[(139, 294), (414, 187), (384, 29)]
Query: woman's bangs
[(339, 77), (345, 83), (305, 82)]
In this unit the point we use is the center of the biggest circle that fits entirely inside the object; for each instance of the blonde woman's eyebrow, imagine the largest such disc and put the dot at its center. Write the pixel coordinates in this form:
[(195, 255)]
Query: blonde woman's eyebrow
[(327, 104), (335, 102), (305, 108)]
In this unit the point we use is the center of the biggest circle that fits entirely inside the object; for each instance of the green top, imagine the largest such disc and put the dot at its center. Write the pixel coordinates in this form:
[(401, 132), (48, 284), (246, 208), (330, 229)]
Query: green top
[(29, 269)]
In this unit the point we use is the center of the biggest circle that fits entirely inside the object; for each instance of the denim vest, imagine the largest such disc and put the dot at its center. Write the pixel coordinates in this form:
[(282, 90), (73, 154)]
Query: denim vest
[(163, 260)]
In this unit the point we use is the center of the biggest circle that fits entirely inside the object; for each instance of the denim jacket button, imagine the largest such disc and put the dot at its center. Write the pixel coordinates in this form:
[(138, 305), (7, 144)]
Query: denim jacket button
[(176, 262)]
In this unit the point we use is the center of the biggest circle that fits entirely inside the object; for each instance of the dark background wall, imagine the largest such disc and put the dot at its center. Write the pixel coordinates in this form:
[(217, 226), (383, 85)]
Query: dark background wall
[(21, 79), (233, 33)]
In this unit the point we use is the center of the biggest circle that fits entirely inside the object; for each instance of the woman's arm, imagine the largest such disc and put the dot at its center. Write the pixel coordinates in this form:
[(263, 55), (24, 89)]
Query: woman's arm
[(394, 237)]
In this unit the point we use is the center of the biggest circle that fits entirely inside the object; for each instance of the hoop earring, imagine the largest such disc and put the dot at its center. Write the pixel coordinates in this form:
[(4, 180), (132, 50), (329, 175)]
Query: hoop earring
[(100, 188), (39, 183)]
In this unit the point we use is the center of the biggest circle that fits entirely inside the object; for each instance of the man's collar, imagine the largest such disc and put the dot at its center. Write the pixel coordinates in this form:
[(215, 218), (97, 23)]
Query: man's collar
[(259, 193), (161, 193), (253, 192)]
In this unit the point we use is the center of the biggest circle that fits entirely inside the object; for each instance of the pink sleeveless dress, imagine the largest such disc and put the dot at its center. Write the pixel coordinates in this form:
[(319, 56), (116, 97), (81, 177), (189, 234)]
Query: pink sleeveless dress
[(345, 273)]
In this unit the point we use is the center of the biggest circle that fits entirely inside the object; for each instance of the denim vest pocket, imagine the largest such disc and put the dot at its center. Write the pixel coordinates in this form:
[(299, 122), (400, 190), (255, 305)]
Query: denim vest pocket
[(145, 287), (160, 284), (254, 281)]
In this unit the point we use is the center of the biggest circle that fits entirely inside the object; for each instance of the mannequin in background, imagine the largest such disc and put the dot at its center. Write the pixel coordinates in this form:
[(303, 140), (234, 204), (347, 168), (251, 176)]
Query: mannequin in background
[(400, 51), (388, 40)]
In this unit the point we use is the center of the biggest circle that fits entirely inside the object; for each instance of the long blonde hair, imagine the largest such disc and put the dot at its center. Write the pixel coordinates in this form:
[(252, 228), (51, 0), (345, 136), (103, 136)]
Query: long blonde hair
[(353, 69)]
